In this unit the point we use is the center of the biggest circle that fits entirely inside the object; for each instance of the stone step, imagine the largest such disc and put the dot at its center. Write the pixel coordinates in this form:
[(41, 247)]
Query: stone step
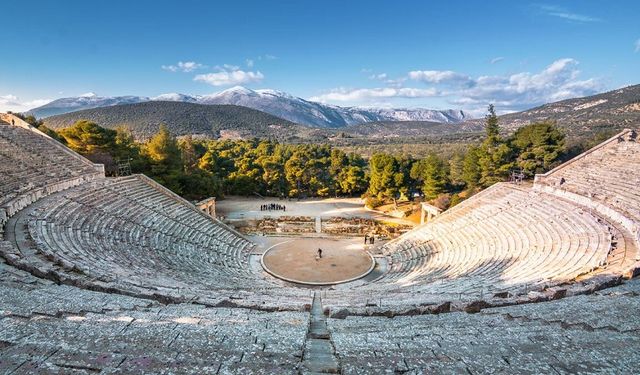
[(319, 356)]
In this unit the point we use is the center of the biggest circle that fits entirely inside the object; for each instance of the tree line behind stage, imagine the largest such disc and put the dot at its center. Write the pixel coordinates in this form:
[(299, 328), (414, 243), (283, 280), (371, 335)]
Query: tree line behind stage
[(198, 169)]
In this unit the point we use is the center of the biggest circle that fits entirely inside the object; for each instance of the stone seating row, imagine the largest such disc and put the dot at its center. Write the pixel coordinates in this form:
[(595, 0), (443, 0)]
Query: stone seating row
[(608, 176), (531, 338), (508, 239), (32, 166), (50, 328), (132, 237)]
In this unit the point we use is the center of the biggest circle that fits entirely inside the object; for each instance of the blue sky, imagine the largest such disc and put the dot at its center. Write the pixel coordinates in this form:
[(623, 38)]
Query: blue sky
[(446, 54)]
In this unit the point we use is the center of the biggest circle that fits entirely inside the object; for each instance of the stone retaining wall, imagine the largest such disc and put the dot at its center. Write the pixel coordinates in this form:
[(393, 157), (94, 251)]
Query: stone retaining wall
[(271, 225)]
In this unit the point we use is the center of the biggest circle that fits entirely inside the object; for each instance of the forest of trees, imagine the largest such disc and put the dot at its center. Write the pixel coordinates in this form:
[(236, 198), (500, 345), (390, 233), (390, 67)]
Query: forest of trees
[(531, 149), (201, 168)]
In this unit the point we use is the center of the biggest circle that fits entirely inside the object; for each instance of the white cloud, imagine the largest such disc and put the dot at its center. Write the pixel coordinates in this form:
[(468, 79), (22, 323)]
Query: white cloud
[(228, 67), (14, 104), (229, 75), (355, 95), (557, 81), (251, 62), (638, 45), (496, 59), (379, 77), (438, 76), (186, 67), (556, 11), (384, 77)]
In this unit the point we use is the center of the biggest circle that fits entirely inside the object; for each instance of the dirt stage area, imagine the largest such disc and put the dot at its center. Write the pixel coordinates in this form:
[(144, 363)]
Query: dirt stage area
[(296, 260)]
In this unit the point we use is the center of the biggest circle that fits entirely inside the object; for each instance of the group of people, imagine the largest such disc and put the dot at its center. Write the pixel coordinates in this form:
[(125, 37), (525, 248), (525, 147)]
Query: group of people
[(369, 239), (273, 207)]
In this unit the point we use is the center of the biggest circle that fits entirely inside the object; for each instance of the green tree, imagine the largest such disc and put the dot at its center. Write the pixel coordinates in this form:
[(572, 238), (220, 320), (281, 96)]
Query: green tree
[(491, 127), (200, 184), (352, 180), (87, 138), (539, 147), (456, 170), (387, 180), (308, 171), (432, 173), (471, 168), (188, 154), (165, 159), (93, 142), (495, 156), (53, 134), (127, 149)]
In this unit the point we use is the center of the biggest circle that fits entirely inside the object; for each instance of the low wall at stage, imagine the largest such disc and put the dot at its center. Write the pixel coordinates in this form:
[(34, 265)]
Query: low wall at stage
[(276, 225), (338, 226)]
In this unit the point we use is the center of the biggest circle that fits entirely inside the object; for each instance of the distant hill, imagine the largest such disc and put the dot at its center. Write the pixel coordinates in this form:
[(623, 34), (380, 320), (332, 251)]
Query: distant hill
[(276, 103), (211, 121), (609, 111)]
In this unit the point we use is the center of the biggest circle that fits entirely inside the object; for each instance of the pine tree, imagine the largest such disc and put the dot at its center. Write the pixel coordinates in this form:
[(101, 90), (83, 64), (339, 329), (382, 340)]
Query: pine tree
[(491, 127), (432, 172), (495, 156), (165, 159), (539, 147), (471, 168), (456, 170), (188, 153)]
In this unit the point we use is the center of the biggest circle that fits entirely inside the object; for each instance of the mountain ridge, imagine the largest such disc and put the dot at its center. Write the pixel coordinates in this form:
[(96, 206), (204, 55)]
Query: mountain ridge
[(274, 102), (209, 121), (608, 111)]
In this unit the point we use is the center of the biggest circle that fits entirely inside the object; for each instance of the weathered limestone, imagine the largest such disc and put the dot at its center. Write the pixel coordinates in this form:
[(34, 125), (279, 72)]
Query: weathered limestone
[(604, 178), (208, 206), (428, 212)]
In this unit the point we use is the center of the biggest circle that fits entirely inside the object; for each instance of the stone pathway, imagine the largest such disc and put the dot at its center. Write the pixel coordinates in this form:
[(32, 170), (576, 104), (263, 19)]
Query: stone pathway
[(319, 353)]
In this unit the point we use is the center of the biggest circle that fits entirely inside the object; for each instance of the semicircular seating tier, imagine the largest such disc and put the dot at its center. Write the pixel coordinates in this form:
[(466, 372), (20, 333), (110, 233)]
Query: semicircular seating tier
[(606, 178), (131, 236), (505, 240), (33, 165)]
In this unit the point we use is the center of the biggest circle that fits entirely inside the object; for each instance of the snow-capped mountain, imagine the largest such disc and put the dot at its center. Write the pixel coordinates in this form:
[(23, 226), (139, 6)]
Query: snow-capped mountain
[(85, 101), (274, 102), (305, 112)]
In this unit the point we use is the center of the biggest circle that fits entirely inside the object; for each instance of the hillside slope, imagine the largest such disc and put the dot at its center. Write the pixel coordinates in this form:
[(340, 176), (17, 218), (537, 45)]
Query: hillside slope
[(609, 111), (211, 121)]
